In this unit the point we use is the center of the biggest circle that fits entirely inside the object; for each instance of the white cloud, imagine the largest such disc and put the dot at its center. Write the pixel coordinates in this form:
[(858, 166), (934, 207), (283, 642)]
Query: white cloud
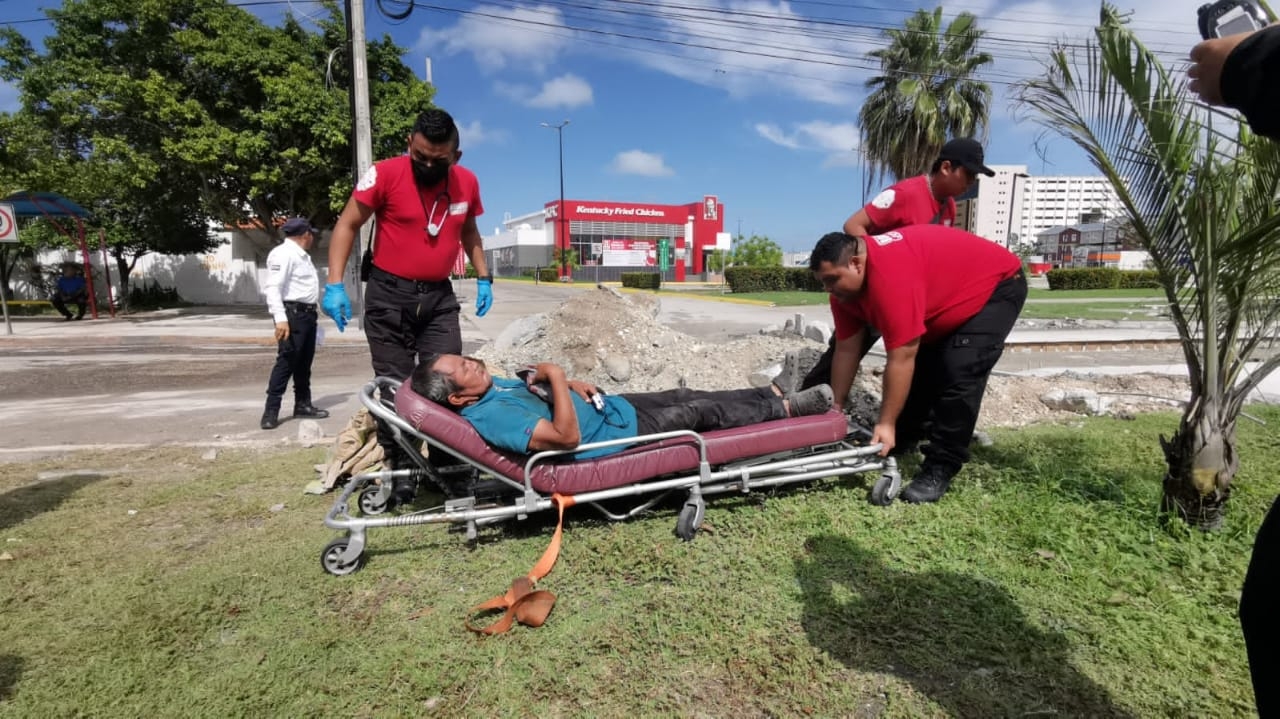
[(1166, 27), (639, 162), (474, 133), (523, 37), (838, 140), (566, 91), (774, 134), (794, 57)]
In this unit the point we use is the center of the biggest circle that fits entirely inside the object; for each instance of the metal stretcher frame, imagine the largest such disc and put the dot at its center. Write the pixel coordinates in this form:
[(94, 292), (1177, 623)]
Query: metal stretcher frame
[(508, 496)]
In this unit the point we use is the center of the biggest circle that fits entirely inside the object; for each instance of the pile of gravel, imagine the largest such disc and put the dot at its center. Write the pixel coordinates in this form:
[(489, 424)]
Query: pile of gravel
[(614, 341)]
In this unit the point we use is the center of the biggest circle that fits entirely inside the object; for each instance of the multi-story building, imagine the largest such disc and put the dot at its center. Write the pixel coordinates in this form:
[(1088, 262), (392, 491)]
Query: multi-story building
[(1064, 200), (993, 210), (1013, 207), (1094, 244)]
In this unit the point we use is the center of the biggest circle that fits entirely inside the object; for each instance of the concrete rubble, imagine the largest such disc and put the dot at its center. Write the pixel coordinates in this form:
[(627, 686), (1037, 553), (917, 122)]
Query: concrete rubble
[(613, 340)]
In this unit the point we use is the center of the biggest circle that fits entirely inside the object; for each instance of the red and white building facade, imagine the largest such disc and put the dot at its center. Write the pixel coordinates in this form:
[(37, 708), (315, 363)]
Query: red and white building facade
[(628, 234)]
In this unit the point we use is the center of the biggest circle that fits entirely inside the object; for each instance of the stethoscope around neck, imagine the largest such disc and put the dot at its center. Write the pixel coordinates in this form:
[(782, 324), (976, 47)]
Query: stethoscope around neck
[(433, 228)]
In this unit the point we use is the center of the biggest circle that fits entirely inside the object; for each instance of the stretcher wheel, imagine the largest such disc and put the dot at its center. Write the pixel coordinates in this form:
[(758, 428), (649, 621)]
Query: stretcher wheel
[(331, 558), (690, 519), (886, 489), (371, 501)]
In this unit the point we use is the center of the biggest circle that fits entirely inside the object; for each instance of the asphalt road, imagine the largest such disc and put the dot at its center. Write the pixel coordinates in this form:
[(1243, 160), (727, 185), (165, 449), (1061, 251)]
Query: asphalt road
[(197, 376)]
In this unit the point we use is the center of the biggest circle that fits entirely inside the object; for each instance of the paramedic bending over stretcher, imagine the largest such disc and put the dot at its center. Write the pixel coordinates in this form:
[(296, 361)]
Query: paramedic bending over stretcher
[(945, 301), (510, 416)]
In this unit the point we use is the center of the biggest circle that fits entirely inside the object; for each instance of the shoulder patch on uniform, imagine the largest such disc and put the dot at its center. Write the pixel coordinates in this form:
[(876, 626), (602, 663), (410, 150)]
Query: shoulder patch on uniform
[(887, 238), (884, 200), (368, 179)]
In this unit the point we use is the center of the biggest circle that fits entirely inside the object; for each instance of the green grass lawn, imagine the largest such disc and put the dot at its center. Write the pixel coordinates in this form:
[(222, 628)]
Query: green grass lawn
[(1042, 585), (1147, 311)]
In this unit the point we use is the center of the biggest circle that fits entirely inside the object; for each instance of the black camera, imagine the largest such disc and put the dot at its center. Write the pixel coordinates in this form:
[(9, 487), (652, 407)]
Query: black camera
[(1230, 17)]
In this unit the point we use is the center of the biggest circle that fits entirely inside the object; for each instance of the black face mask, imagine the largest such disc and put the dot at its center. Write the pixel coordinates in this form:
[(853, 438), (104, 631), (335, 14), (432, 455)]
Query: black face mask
[(427, 175)]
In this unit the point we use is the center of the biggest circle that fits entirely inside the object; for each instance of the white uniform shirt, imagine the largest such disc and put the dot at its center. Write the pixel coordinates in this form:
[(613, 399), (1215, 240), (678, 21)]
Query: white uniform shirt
[(291, 277)]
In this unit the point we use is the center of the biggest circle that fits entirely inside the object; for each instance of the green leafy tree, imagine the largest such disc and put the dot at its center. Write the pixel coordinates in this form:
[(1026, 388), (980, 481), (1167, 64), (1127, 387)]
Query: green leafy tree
[(925, 94), (1202, 201), (756, 251), (561, 256), (162, 115)]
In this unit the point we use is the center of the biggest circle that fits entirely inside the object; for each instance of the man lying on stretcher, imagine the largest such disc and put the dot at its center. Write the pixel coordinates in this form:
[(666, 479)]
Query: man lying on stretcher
[(512, 414)]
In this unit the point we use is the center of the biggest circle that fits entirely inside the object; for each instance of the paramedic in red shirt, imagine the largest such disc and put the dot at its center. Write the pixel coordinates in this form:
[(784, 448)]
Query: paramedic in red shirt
[(945, 301), (426, 207), (925, 199), (922, 200)]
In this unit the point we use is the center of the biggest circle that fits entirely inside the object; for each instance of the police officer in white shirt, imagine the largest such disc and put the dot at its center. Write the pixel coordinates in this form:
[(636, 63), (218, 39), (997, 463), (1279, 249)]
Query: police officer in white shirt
[(293, 288)]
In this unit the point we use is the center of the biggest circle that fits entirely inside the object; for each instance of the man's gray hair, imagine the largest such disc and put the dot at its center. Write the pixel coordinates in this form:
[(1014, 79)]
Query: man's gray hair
[(435, 386)]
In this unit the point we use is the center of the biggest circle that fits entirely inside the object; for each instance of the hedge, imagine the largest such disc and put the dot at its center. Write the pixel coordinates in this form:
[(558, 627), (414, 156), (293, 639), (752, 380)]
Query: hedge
[(1101, 278), (771, 279), (642, 280), (548, 274)]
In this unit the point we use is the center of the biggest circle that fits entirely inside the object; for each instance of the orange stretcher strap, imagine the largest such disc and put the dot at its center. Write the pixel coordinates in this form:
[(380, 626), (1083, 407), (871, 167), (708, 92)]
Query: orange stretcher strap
[(522, 603)]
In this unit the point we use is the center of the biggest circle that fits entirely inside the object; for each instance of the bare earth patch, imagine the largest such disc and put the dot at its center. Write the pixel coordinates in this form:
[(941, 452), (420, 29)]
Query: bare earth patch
[(614, 341)]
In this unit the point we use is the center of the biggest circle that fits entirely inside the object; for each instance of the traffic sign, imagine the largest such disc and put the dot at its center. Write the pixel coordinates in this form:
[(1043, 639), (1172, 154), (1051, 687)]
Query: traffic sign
[(8, 226)]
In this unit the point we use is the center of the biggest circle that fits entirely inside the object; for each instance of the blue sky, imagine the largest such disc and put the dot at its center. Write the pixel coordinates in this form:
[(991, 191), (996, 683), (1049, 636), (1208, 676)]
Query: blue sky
[(755, 102)]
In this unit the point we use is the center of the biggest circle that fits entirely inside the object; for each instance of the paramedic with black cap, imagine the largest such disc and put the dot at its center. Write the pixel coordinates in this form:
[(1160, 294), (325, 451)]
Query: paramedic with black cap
[(921, 200), (426, 206), (945, 300), (292, 290)]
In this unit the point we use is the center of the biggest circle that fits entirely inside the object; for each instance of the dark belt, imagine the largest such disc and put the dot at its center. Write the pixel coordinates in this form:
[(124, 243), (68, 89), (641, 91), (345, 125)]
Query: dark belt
[(300, 306), (386, 278)]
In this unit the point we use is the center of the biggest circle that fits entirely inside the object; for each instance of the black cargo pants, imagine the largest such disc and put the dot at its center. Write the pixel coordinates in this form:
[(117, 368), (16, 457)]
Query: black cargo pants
[(951, 376), (404, 321)]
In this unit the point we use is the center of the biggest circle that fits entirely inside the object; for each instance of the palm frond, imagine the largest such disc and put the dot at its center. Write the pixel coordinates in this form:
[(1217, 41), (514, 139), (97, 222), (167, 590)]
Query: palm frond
[(1201, 200)]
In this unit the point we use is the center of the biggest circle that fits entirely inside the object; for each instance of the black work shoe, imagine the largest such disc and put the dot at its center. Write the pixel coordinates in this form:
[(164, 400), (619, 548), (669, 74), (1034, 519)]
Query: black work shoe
[(404, 490), (930, 483), (815, 400), (309, 410), (270, 420)]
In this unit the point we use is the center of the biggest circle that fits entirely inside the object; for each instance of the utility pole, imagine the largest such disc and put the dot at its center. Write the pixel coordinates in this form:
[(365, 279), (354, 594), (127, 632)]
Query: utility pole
[(362, 136), (561, 216)]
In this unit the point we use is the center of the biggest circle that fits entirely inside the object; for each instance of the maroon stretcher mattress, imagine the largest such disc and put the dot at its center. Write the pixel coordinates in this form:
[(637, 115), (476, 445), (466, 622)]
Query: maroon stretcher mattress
[(632, 465)]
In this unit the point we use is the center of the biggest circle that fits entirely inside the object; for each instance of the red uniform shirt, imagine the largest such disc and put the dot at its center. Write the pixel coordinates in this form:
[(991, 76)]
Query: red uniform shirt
[(403, 246), (909, 202), (923, 281)]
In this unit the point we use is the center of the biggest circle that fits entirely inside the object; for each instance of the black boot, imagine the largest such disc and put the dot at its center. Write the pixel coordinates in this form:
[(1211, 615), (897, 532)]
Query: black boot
[(309, 410), (930, 483), (270, 419)]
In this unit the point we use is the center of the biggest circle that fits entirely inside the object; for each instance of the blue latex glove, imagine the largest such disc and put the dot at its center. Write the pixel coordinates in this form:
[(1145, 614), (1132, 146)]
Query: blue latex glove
[(336, 304), (484, 296)]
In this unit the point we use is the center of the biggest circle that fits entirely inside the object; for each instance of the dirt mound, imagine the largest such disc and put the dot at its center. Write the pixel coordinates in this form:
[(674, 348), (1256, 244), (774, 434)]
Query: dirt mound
[(615, 341)]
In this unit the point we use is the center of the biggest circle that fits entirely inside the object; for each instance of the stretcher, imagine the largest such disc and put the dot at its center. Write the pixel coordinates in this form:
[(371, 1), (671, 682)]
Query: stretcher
[(487, 486)]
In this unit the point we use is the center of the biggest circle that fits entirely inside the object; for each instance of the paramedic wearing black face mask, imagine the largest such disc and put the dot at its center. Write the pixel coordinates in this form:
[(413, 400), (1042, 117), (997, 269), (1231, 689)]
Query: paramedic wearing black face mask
[(426, 207)]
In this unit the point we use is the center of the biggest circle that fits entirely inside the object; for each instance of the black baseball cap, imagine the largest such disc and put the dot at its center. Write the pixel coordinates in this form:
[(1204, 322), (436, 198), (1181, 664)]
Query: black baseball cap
[(967, 153), (297, 226)]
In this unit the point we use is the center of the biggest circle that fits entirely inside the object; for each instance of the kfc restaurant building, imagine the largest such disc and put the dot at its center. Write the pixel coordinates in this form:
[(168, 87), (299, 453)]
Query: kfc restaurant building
[(627, 236)]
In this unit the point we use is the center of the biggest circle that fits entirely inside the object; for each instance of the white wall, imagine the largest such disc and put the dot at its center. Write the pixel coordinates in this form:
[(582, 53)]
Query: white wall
[(999, 199), (232, 273)]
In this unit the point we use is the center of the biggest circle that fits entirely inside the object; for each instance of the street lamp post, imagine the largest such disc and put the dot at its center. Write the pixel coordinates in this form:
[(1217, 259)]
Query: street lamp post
[(1013, 195), (560, 213)]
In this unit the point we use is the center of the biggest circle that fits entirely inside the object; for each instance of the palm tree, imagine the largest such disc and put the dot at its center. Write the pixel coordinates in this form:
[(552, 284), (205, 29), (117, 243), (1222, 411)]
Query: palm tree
[(924, 95), (1198, 190)]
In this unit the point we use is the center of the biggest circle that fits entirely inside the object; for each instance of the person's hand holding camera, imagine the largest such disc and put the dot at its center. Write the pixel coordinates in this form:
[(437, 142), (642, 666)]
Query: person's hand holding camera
[(1208, 59)]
